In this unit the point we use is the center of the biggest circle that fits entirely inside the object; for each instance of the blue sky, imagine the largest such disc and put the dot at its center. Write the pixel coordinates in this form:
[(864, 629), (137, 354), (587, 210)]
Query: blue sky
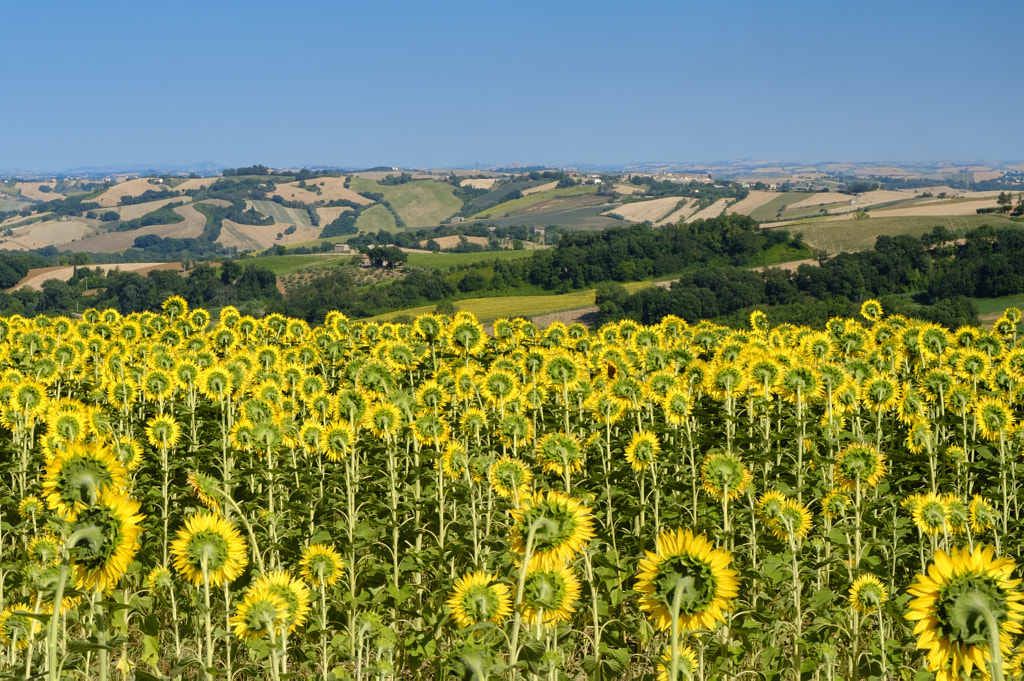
[(559, 83)]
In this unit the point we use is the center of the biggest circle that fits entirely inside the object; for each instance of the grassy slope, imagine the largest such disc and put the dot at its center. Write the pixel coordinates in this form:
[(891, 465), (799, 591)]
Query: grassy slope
[(444, 260), (533, 199), (768, 211), (423, 203), (489, 309), (858, 235), (376, 218), (289, 264), (291, 216)]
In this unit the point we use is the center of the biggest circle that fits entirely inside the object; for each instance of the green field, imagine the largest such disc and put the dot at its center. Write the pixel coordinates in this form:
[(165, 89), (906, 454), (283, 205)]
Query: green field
[(423, 203), (10, 204), (376, 218), (489, 309), (510, 207), (290, 264), (586, 218), (445, 260), (996, 306), (291, 216), (857, 235), (768, 211)]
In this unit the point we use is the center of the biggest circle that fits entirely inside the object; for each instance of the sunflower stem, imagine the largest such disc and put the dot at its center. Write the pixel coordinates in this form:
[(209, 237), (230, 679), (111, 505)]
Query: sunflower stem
[(677, 603), (53, 672), (513, 653)]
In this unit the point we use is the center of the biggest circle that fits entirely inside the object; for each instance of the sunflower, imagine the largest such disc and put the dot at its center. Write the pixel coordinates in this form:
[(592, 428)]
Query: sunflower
[(104, 538), (686, 569), (687, 661), (867, 594), (557, 451), (209, 536), (45, 549), (954, 605), (383, 420), (929, 513), (321, 565), (510, 478), (293, 591), (861, 463), (163, 431), (205, 489), (724, 474), (994, 418), (871, 310), (793, 521), (561, 526), (128, 451), (76, 475), (957, 514), (429, 429), (159, 579), (834, 505), (479, 597), (642, 450), (549, 594), (339, 439), (454, 462), (981, 515), (261, 613), (769, 506), (17, 627), (29, 507)]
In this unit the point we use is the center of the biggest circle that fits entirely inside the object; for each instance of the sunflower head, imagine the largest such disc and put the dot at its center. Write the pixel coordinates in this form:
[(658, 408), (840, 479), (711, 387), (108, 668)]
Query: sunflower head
[(479, 597), (560, 526), (104, 539), (17, 627), (642, 450), (724, 475), (557, 452), (76, 476), (929, 513), (834, 505), (550, 593), (687, 662), (205, 489), (321, 565), (159, 579), (261, 614), (858, 463), (211, 543), (686, 570), (955, 602), (793, 521), (510, 478), (292, 591), (45, 549), (29, 507), (867, 594)]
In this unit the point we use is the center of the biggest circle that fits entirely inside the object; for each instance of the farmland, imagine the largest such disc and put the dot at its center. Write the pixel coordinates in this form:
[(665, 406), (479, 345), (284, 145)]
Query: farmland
[(517, 205), (835, 236), (647, 211), (376, 218), (422, 203), (582, 482), (282, 215)]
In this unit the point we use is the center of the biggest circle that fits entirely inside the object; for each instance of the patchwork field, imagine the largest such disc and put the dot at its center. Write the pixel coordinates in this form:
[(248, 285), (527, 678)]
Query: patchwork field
[(30, 190), (518, 205), (713, 211), (479, 182), (194, 221), (941, 207), (857, 235), (329, 214), (35, 277), (423, 203), (583, 218), (683, 213), (131, 188), (755, 199), (196, 183), (137, 210), (540, 188), (257, 238), (453, 241), (10, 204), (48, 233), (769, 210), (288, 216), (376, 218), (647, 211), (331, 188)]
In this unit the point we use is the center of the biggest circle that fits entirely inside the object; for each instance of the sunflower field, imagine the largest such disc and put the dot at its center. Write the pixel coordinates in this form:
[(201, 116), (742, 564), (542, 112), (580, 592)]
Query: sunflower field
[(262, 499)]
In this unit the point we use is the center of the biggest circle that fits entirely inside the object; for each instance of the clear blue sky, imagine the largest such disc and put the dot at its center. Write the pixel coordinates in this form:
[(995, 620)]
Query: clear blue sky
[(560, 83)]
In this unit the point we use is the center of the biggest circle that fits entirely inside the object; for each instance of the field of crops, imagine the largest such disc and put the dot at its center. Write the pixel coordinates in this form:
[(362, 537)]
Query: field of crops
[(446, 260), (511, 207), (290, 216), (651, 211), (420, 204), (265, 499), (376, 218), (835, 236)]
